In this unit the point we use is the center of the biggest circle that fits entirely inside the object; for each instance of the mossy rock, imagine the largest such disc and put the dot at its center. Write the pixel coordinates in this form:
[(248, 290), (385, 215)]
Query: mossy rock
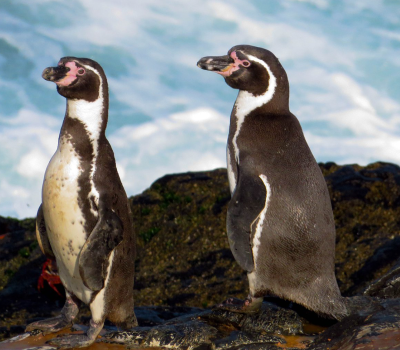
[(183, 256)]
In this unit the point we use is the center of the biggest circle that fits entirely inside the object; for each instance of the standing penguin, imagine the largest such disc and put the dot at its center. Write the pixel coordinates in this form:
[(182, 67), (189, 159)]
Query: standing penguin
[(85, 221), (280, 223)]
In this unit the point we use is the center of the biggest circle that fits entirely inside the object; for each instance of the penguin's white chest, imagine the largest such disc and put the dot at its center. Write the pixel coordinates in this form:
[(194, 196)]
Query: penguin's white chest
[(63, 216)]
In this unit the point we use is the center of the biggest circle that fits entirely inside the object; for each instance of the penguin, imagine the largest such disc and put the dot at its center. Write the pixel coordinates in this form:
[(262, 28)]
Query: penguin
[(280, 222), (85, 221)]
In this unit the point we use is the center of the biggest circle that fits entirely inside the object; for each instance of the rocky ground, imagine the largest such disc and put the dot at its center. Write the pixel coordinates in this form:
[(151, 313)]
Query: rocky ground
[(184, 262)]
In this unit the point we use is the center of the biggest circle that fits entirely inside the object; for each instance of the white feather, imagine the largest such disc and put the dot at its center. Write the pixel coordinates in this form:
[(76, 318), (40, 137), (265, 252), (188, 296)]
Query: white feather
[(231, 174), (253, 281), (64, 219), (261, 219)]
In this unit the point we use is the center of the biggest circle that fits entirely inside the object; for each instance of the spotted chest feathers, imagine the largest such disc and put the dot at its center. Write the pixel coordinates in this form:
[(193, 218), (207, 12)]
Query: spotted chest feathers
[(65, 222)]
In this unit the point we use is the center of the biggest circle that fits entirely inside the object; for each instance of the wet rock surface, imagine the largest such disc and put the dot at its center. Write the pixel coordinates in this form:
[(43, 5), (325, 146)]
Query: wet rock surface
[(184, 267), (376, 327), (218, 329)]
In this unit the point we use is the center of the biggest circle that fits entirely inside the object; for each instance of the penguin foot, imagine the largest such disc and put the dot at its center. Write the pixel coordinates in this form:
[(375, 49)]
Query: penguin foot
[(49, 325), (56, 324), (71, 341), (250, 305)]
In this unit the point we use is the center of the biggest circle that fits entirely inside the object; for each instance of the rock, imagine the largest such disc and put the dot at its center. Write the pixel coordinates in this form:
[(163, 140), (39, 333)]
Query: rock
[(136, 336), (183, 254), (179, 335), (185, 266), (366, 205), (237, 339), (182, 235), (388, 286), (217, 317), (216, 329), (188, 334), (154, 315), (363, 330), (273, 319)]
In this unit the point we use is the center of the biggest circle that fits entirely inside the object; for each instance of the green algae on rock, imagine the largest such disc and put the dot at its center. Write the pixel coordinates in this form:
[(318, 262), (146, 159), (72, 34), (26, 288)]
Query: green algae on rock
[(184, 257)]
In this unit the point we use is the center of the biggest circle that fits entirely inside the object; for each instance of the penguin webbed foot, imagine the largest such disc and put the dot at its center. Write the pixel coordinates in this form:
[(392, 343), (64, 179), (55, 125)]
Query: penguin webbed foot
[(73, 341), (49, 325), (60, 322), (249, 305)]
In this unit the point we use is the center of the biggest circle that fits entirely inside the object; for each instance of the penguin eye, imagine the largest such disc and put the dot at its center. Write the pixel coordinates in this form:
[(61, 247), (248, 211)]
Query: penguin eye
[(246, 63), (81, 71)]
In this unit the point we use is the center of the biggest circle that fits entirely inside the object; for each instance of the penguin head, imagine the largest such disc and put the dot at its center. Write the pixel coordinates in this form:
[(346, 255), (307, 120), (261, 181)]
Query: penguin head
[(249, 68), (77, 78)]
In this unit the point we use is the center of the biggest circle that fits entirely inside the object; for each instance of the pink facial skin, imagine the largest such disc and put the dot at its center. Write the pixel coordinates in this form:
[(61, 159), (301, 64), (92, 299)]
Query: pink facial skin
[(71, 75), (234, 66)]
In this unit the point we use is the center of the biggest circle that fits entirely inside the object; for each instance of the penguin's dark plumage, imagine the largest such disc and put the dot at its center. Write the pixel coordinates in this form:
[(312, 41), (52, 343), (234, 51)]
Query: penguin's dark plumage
[(85, 220), (280, 223)]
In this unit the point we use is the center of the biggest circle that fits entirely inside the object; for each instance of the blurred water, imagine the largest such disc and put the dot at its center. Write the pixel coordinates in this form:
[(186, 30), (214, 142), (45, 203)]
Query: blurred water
[(166, 115)]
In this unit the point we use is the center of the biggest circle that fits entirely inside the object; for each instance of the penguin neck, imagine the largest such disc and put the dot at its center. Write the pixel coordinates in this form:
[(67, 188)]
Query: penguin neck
[(267, 103), (274, 100), (246, 102), (270, 102), (84, 128), (93, 115)]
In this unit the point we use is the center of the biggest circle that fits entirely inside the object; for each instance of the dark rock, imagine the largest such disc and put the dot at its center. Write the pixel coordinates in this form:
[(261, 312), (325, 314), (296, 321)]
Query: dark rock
[(237, 338), (180, 335), (147, 317), (182, 237), (273, 320), (10, 225), (184, 335), (184, 261), (218, 328), (154, 315), (260, 346), (363, 330), (219, 316), (15, 330), (366, 208), (183, 253), (4, 333), (388, 286), (363, 305), (136, 336)]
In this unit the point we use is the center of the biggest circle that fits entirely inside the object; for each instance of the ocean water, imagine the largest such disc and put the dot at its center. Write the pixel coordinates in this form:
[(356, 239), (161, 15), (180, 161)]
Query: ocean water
[(167, 115)]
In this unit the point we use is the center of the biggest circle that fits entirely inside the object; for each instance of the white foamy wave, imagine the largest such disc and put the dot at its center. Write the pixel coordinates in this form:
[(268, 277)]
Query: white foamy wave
[(189, 141), (166, 115)]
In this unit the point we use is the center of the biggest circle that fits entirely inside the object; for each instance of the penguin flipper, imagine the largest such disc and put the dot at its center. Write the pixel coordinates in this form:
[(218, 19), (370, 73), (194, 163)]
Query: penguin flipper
[(246, 204), (41, 235), (94, 256)]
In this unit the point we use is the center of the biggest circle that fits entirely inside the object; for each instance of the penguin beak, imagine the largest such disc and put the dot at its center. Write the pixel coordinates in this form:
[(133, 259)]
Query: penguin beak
[(55, 73), (218, 64)]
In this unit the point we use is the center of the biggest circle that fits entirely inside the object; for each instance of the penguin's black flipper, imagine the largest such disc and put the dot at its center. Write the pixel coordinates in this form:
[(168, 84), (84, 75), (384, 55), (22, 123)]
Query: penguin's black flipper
[(41, 235), (247, 202), (93, 260)]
